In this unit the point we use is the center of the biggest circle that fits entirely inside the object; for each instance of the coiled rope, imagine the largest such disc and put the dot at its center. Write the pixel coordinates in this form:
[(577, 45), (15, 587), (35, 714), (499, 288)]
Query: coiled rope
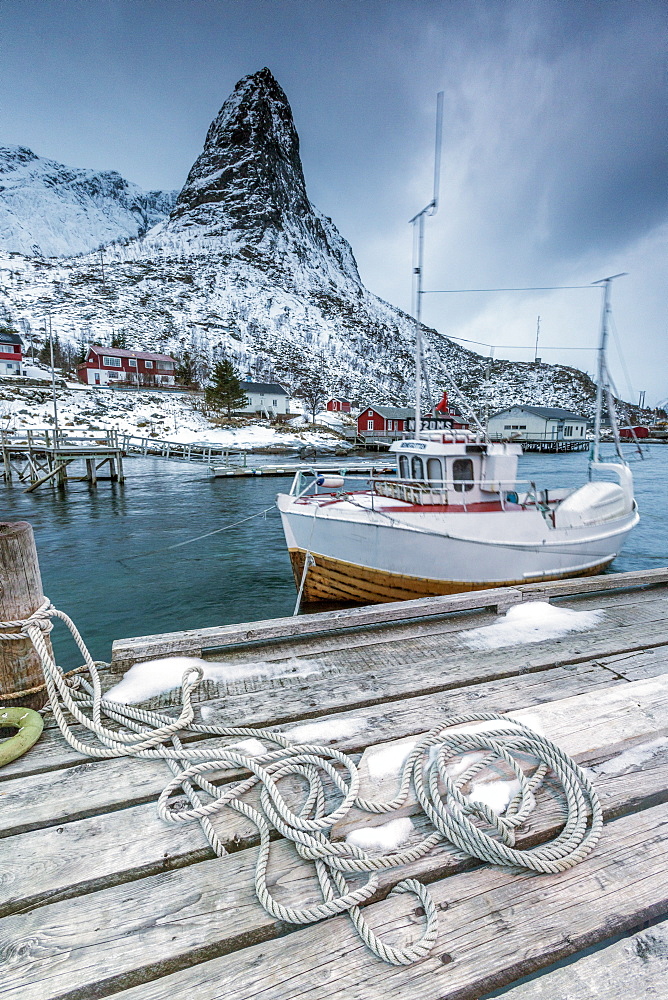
[(331, 782)]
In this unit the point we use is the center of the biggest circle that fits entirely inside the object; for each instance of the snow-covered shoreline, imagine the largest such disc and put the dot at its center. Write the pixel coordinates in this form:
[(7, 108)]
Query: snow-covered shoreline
[(147, 414)]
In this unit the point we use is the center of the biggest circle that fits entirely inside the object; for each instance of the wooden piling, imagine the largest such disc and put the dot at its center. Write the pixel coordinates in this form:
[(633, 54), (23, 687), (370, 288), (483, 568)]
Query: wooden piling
[(20, 595)]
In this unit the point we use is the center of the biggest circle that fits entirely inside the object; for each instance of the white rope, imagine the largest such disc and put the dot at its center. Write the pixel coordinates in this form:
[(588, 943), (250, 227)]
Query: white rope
[(331, 782)]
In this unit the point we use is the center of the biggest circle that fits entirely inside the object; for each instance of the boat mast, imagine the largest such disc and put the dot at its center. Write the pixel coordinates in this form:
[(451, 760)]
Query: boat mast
[(418, 254), (602, 386)]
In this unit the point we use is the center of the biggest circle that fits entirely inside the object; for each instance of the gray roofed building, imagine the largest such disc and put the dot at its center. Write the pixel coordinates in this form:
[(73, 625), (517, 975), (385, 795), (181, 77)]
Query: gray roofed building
[(547, 412), (264, 387), (267, 398), (540, 428)]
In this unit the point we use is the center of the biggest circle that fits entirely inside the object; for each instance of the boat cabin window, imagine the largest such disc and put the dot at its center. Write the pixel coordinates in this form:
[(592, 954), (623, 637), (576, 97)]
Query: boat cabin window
[(462, 474), (404, 467), (434, 470), (417, 468)]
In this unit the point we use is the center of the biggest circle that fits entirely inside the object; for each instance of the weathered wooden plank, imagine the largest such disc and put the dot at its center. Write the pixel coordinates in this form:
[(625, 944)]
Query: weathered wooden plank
[(128, 651), (635, 968), (38, 862), (191, 642), (494, 927), (598, 584), (171, 920), (442, 630)]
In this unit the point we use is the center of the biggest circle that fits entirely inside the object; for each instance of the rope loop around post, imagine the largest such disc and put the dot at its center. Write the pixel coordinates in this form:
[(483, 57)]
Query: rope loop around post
[(303, 790)]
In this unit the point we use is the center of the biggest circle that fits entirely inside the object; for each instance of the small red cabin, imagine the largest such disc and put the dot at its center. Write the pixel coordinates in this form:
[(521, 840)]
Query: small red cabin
[(338, 405), (114, 364), (630, 432)]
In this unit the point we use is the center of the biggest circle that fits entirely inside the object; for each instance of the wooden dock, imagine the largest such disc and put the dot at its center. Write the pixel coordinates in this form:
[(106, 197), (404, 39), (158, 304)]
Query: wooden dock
[(44, 455), (100, 898)]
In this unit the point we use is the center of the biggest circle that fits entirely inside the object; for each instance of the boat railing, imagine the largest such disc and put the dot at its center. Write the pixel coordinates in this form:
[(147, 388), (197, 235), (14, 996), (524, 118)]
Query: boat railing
[(512, 493)]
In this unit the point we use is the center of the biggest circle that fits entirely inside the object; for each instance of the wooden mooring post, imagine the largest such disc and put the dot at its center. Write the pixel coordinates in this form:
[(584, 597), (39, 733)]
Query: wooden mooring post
[(20, 596)]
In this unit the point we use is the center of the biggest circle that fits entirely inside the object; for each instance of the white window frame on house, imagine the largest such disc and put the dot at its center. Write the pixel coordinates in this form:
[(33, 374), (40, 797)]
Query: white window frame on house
[(132, 362), (111, 362), (274, 402), (165, 366), (148, 364), (369, 425)]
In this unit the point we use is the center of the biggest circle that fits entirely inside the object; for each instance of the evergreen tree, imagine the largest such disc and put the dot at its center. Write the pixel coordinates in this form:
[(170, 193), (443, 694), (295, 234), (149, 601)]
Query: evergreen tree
[(185, 373), (224, 391)]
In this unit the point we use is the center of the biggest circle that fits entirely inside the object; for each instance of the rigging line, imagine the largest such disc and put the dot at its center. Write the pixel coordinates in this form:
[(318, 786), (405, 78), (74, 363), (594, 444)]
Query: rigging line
[(622, 361), (533, 288), (197, 538), (515, 347)]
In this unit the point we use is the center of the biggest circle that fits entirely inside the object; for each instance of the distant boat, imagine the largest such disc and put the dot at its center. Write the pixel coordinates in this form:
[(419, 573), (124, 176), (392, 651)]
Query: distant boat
[(456, 518)]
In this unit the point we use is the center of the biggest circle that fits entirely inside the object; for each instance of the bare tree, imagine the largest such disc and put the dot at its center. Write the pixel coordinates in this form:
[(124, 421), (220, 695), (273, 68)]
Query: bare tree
[(312, 391)]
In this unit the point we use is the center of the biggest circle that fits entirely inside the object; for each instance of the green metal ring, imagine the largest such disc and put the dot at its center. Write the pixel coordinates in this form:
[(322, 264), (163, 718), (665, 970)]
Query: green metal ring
[(29, 724)]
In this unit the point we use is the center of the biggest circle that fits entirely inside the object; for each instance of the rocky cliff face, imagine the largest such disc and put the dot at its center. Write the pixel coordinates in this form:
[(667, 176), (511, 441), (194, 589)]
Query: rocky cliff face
[(245, 267), (50, 210)]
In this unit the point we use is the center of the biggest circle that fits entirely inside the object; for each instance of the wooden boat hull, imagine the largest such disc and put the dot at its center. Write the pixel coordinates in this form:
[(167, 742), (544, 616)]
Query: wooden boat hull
[(368, 555), (330, 579)]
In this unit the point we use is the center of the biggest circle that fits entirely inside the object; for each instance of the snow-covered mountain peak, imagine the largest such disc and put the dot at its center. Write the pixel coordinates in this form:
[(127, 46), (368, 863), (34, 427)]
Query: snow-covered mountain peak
[(248, 183), (50, 210)]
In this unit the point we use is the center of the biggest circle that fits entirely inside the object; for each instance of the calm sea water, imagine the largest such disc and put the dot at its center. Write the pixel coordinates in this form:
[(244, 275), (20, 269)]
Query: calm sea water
[(105, 557)]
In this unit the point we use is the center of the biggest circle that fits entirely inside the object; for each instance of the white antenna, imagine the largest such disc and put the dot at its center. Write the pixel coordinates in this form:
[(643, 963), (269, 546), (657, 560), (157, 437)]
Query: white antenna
[(418, 252), (603, 380)]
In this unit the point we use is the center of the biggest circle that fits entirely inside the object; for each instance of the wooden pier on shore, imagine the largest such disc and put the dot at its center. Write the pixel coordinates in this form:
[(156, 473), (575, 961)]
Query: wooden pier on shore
[(100, 898), (44, 455)]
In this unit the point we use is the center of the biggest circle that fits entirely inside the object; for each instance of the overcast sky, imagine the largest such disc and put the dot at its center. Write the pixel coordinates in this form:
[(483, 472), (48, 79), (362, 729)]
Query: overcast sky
[(554, 140)]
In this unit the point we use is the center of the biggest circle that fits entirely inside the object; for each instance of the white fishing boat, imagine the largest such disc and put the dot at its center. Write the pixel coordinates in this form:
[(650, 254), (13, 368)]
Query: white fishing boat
[(456, 518)]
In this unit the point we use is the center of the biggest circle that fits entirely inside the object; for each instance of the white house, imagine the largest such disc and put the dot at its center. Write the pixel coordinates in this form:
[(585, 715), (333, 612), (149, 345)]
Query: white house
[(267, 398), (537, 424)]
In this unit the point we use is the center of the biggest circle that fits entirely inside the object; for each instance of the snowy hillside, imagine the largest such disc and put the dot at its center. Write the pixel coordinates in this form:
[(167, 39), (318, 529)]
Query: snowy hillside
[(149, 414), (246, 268), (50, 210)]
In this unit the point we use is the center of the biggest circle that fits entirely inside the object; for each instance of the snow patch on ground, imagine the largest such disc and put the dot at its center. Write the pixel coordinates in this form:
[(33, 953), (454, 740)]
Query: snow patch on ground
[(327, 729), (635, 757), (496, 794), (534, 621), (252, 747), (386, 837), (154, 677)]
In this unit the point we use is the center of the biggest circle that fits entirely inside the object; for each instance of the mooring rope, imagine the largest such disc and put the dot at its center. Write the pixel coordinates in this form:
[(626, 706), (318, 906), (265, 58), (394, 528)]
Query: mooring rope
[(330, 789)]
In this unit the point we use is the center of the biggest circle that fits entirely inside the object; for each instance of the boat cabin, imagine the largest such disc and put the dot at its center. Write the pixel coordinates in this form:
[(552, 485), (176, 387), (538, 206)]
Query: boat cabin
[(453, 467)]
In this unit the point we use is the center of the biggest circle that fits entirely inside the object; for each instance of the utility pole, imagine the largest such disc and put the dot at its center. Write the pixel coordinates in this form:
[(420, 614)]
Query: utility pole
[(535, 353), (418, 253), (53, 384), (641, 399)]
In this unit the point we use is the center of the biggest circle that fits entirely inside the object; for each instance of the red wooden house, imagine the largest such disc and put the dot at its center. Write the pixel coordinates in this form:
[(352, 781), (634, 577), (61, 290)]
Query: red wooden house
[(114, 364), (338, 405), (383, 421), (11, 354)]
